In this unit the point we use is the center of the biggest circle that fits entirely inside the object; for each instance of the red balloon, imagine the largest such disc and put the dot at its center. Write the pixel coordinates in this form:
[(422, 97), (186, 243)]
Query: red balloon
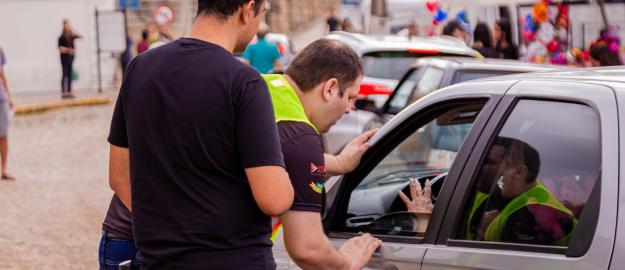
[(553, 46), (432, 6)]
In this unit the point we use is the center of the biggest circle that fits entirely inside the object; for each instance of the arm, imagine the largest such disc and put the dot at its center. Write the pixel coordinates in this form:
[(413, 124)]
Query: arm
[(277, 65), (350, 156), (119, 174), (6, 86), (271, 189), (308, 246)]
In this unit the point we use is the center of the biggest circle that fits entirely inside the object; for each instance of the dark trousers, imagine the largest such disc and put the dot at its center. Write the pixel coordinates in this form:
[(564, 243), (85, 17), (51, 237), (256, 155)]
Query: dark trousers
[(67, 61), (114, 250)]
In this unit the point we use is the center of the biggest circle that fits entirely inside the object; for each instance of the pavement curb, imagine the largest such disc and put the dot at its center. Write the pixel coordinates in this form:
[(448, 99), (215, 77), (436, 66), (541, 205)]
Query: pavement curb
[(42, 107)]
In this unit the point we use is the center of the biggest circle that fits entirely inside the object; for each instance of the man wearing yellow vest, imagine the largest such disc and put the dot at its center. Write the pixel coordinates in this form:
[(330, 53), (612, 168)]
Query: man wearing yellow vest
[(318, 87), (510, 205)]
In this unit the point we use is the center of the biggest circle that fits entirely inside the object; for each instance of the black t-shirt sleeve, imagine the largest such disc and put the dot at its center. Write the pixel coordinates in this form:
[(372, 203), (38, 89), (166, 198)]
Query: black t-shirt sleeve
[(256, 131), (118, 135), (303, 157)]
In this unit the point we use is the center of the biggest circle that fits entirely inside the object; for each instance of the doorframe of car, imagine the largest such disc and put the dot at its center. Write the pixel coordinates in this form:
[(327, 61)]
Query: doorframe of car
[(500, 115), (386, 144)]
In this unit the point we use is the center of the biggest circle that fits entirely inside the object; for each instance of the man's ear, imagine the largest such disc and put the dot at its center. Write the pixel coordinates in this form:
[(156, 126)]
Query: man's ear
[(247, 12), (330, 88)]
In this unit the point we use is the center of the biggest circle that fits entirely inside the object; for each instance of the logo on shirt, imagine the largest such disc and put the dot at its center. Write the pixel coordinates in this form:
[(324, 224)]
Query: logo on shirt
[(317, 169), (317, 187)]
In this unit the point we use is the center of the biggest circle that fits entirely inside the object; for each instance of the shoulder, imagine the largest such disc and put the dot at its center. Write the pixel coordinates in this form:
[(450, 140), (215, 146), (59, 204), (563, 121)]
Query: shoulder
[(297, 131)]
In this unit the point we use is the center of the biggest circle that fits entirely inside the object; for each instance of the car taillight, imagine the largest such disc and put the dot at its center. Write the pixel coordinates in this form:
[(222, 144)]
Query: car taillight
[(374, 89), (424, 51)]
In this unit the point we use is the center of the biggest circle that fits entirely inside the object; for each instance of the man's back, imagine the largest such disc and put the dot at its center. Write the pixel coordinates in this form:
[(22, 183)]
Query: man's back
[(262, 55), (194, 117)]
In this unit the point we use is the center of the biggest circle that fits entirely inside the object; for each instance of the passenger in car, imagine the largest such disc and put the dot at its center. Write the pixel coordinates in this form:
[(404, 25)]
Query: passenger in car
[(511, 205)]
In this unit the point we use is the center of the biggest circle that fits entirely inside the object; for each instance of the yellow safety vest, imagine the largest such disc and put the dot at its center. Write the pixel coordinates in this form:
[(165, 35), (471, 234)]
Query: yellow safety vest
[(536, 195), (286, 107)]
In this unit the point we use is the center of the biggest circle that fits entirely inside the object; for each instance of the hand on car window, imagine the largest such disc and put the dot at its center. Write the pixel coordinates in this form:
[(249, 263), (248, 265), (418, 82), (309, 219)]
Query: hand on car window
[(420, 200)]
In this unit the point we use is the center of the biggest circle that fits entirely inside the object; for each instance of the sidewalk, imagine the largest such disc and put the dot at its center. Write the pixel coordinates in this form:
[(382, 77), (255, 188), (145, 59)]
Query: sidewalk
[(40, 102)]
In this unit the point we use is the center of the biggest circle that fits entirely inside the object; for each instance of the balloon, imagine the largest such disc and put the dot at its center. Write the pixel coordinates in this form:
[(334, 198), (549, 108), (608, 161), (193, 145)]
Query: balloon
[(462, 16), (431, 6), (440, 15), (540, 12), (553, 45)]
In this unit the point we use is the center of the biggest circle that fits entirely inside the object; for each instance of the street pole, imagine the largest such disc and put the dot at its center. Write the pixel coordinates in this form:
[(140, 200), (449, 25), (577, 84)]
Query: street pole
[(601, 4), (97, 37)]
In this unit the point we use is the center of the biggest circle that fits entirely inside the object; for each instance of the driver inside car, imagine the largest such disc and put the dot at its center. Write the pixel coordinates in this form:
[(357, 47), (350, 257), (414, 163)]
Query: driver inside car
[(510, 205)]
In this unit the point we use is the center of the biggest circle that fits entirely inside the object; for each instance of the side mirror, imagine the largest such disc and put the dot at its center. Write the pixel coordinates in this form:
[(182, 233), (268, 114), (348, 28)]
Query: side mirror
[(400, 224), (365, 104)]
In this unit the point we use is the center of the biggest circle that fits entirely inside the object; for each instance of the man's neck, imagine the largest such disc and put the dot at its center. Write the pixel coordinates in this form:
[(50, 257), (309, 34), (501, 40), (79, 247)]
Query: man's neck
[(213, 30), (301, 96)]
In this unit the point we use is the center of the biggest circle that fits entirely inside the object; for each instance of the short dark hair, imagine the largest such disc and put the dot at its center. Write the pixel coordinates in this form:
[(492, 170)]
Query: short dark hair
[(224, 8), (505, 27), (451, 26), (606, 56), (322, 60), (518, 151), (482, 34)]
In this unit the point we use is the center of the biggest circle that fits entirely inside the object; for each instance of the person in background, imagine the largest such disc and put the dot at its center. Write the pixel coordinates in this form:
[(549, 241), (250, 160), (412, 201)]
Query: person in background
[(347, 26), (126, 55), (332, 23), (455, 29), (413, 29), (605, 50), (263, 56), (6, 104), (144, 44), (482, 40), (603, 54), (502, 35), (67, 51)]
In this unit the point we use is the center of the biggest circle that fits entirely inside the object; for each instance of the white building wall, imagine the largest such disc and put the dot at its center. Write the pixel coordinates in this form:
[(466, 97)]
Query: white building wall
[(29, 35)]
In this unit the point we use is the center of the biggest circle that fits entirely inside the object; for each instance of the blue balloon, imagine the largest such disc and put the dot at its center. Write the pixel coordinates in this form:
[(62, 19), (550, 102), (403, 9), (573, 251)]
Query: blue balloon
[(462, 16), (440, 15)]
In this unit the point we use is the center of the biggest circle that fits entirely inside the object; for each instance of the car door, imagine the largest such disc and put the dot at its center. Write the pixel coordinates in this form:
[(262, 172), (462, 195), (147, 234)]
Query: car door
[(568, 136), (430, 140)]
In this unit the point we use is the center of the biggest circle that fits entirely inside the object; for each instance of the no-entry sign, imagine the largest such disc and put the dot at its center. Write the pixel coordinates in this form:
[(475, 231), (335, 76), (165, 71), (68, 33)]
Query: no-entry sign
[(163, 15)]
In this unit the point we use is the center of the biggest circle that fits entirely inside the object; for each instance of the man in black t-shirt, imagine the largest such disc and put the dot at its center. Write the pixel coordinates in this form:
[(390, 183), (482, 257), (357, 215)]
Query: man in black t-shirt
[(194, 131), (318, 87), (332, 23)]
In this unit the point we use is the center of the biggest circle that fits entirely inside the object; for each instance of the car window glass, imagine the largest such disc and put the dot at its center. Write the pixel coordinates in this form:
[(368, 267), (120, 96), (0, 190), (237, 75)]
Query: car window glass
[(429, 82), (536, 176), (387, 65), (426, 154), (467, 75), (402, 92)]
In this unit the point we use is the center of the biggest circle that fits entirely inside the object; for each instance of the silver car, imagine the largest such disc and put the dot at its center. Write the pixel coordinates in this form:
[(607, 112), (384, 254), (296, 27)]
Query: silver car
[(385, 60), (571, 121), (421, 78)]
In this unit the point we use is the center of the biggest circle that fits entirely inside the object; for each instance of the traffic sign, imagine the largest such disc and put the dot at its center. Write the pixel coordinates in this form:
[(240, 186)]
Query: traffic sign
[(163, 15), (129, 4)]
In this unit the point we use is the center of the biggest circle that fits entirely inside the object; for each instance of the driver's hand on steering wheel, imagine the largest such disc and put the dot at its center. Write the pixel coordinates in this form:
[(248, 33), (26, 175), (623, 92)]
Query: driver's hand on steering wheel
[(420, 200)]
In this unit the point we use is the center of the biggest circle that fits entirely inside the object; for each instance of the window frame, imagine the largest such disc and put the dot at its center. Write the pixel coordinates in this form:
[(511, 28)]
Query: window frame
[(454, 218), (390, 141)]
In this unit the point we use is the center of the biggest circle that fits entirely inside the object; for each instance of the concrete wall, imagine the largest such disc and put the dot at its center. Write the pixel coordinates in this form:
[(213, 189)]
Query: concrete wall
[(30, 31), (286, 16)]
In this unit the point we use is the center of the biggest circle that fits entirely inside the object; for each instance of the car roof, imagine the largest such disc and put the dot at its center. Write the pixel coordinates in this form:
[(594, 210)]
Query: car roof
[(602, 75), (466, 63), (363, 43)]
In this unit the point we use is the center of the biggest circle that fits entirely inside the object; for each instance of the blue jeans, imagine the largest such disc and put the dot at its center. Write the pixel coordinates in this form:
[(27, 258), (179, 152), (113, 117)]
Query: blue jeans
[(114, 251)]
